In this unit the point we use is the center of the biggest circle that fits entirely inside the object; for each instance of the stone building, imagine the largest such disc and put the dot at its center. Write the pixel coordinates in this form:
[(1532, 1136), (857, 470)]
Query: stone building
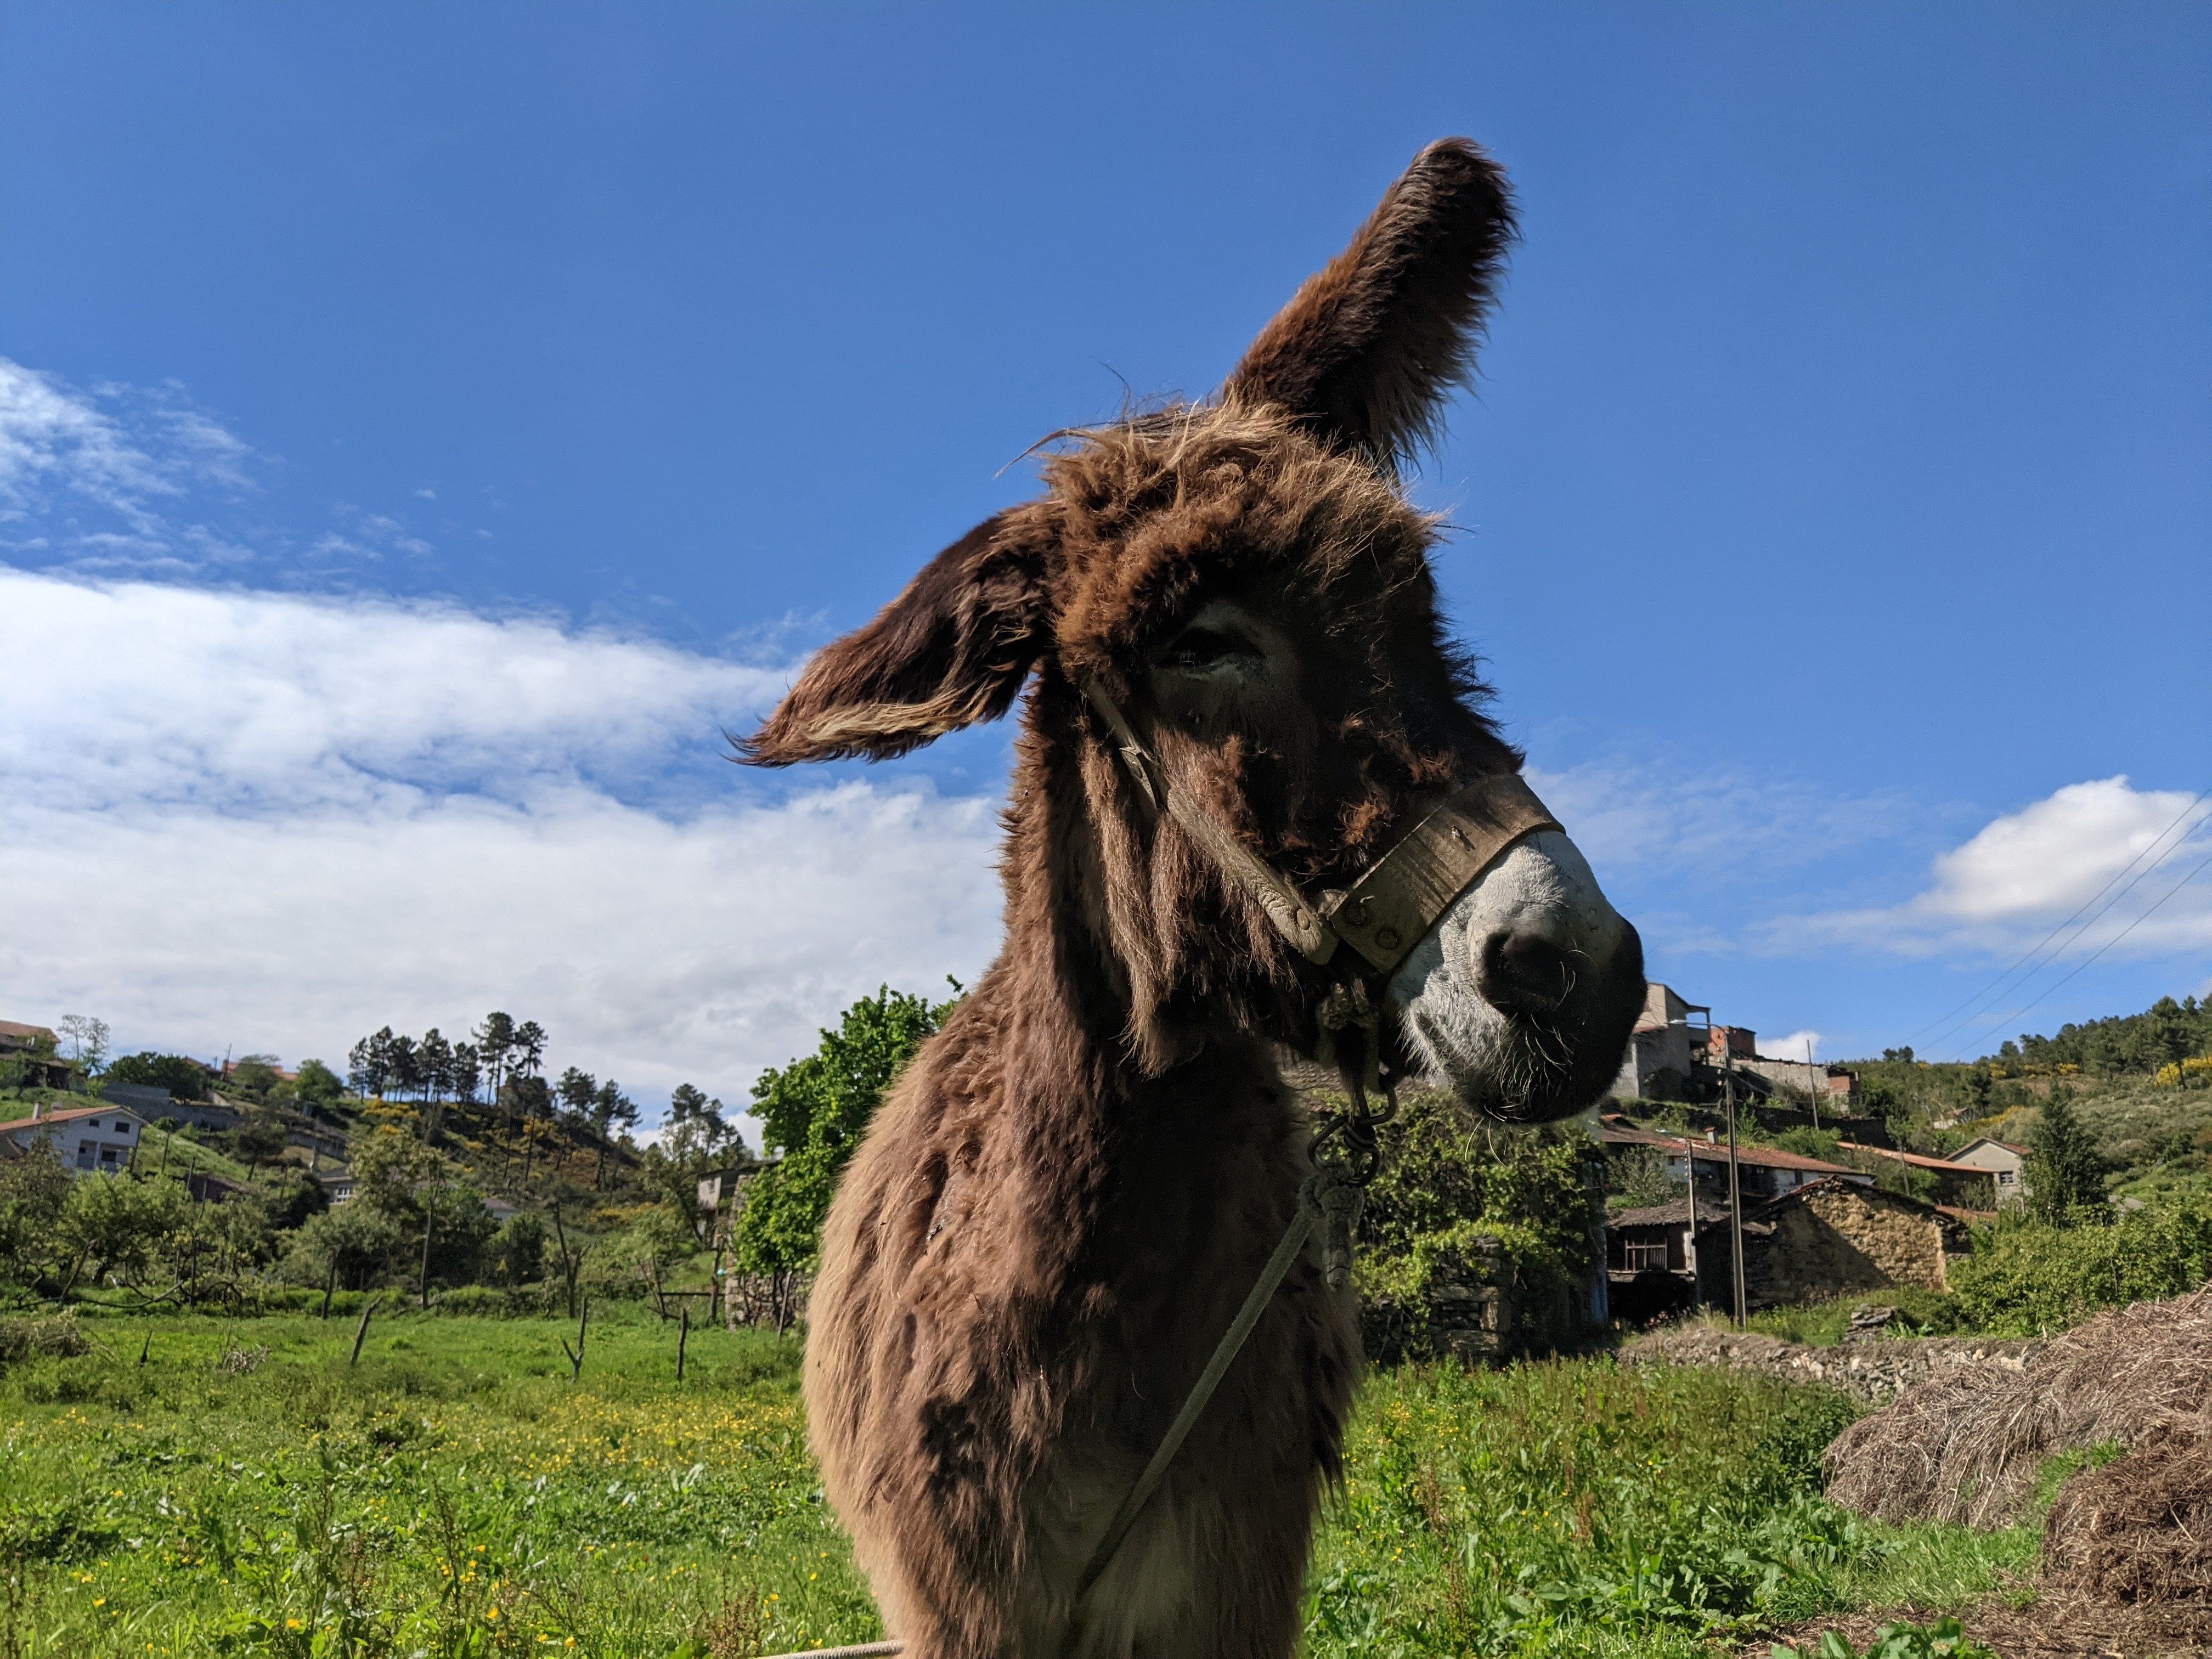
[(1677, 1052), (1831, 1238)]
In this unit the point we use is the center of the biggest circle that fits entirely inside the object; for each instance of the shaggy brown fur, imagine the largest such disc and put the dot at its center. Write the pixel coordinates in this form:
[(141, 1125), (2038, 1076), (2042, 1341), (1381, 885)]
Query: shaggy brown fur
[(1058, 1207)]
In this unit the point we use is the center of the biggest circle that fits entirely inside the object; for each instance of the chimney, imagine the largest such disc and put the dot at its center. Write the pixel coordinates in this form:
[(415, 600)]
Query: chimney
[(37, 1110), (1712, 1136)]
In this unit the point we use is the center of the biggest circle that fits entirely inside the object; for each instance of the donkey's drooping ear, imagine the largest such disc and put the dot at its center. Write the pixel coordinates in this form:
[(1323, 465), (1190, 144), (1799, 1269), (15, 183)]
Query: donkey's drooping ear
[(952, 650), (1368, 349)]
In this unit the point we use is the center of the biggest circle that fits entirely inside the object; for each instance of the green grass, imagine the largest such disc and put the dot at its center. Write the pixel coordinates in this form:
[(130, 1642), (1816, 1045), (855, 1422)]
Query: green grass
[(454, 1495), (458, 1495), (179, 1153)]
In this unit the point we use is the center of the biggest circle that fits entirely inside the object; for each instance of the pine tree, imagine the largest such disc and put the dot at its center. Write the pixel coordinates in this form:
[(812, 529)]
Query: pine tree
[(2065, 1177)]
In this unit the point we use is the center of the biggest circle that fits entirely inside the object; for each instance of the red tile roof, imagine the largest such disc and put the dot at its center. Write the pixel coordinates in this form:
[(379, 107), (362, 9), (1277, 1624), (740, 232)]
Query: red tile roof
[(1771, 1157), (67, 1114), (1919, 1161)]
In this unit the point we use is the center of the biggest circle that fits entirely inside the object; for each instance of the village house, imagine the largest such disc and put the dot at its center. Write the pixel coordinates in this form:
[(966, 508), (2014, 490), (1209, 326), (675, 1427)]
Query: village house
[(1969, 1186), (88, 1140), (1762, 1172), (336, 1185), (1832, 1238), (1674, 1055), (2006, 1162), (34, 1048)]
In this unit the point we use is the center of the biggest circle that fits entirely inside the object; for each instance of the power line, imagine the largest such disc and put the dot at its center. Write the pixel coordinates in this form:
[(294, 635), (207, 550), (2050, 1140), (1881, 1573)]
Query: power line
[(1952, 1028), (2205, 865)]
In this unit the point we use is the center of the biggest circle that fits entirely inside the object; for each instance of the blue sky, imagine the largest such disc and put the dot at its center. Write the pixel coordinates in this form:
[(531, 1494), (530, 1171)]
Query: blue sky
[(427, 427)]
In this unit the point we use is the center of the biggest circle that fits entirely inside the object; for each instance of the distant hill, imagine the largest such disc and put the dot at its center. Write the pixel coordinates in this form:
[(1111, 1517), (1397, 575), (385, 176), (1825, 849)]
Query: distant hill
[(2164, 1034)]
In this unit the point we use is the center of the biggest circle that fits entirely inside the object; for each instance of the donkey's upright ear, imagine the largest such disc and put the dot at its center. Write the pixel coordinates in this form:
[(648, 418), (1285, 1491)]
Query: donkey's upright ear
[(1368, 349), (952, 650)]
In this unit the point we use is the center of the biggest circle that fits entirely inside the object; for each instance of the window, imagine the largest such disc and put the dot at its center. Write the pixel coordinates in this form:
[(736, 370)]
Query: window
[(1636, 1255), (84, 1155), (94, 1124), (107, 1155), (2006, 1177)]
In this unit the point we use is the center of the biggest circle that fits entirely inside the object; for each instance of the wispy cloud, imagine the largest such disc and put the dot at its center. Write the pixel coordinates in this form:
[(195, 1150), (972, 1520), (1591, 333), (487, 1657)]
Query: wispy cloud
[(1675, 814), (96, 479)]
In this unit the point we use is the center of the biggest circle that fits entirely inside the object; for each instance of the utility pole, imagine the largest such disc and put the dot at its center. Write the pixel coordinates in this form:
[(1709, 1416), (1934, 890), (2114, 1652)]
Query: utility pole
[(429, 1220), (1697, 1275), (1736, 1190), (1812, 1081)]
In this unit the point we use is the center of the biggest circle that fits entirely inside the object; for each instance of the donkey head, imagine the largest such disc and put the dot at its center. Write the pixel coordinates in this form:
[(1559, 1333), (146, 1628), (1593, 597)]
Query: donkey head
[(1245, 578)]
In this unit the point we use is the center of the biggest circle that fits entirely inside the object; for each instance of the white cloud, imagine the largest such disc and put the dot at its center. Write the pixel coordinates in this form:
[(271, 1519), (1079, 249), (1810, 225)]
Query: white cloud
[(135, 692), (273, 823), (654, 949), (2027, 872), (1795, 1045)]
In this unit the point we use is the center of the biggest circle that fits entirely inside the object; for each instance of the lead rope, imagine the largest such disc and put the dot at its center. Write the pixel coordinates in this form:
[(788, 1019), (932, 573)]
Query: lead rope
[(1330, 1199)]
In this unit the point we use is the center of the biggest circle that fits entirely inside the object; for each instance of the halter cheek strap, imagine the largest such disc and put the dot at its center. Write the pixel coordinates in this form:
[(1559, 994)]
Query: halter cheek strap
[(1396, 900)]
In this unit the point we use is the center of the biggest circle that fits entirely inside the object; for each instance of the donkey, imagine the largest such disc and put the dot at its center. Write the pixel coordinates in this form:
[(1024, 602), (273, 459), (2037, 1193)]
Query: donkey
[(1061, 1204)]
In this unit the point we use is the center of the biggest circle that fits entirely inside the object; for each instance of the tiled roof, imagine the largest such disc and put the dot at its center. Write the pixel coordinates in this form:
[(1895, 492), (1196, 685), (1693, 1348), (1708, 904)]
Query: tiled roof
[(1919, 1161), (1771, 1157), (1656, 1215), (66, 1114)]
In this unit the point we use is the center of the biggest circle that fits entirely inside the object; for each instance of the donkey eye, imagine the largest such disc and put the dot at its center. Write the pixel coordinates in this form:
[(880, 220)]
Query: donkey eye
[(1201, 650)]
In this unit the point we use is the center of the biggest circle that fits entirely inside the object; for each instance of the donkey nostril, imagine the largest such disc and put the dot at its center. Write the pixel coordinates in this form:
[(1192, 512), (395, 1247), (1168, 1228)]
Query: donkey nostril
[(1524, 973)]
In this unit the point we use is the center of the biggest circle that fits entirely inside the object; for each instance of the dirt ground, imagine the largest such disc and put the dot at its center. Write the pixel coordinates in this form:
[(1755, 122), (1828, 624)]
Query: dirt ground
[(2053, 1626)]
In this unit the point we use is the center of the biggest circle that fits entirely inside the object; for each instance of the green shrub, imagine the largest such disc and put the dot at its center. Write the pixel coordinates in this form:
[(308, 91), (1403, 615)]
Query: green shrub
[(1460, 1203), (2026, 1277), (538, 1301), (50, 1333)]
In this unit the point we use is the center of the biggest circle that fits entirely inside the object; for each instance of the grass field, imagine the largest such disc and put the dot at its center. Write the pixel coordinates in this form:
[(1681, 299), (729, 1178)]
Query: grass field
[(456, 1494)]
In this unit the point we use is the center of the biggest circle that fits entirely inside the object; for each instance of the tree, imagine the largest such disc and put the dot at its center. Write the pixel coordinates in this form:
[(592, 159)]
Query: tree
[(578, 1091), (369, 1067), (466, 1074), (88, 1040), (694, 1139), (406, 1076), (254, 1076), (529, 1047), (185, 1079), (517, 1254), (2065, 1177), (495, 1040), (120, 1228), (33, 1189), (433, 1058), (611, 1109), (813, 1111), (257, 1140), (353, 1246), (316, 1087)]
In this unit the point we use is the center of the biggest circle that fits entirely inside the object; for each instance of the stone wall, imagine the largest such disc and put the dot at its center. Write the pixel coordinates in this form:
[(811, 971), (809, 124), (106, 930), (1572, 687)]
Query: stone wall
[(1838, 1238), (1831, 1239)]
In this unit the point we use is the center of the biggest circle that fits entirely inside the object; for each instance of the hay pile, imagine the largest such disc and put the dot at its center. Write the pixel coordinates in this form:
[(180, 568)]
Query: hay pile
[(1968, 1449), (2140, 1528)]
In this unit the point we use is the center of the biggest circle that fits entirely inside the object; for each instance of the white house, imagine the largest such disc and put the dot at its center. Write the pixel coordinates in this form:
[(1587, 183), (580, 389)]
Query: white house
[(2007, 1163), (88, 1138)]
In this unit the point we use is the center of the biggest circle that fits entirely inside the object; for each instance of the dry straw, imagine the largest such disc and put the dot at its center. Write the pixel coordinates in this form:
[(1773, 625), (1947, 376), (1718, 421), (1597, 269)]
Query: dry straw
[(1969, 1448)]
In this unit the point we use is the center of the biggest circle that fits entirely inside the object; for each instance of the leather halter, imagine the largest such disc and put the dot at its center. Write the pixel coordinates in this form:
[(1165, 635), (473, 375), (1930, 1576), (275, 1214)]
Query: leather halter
[(1395, 901)]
